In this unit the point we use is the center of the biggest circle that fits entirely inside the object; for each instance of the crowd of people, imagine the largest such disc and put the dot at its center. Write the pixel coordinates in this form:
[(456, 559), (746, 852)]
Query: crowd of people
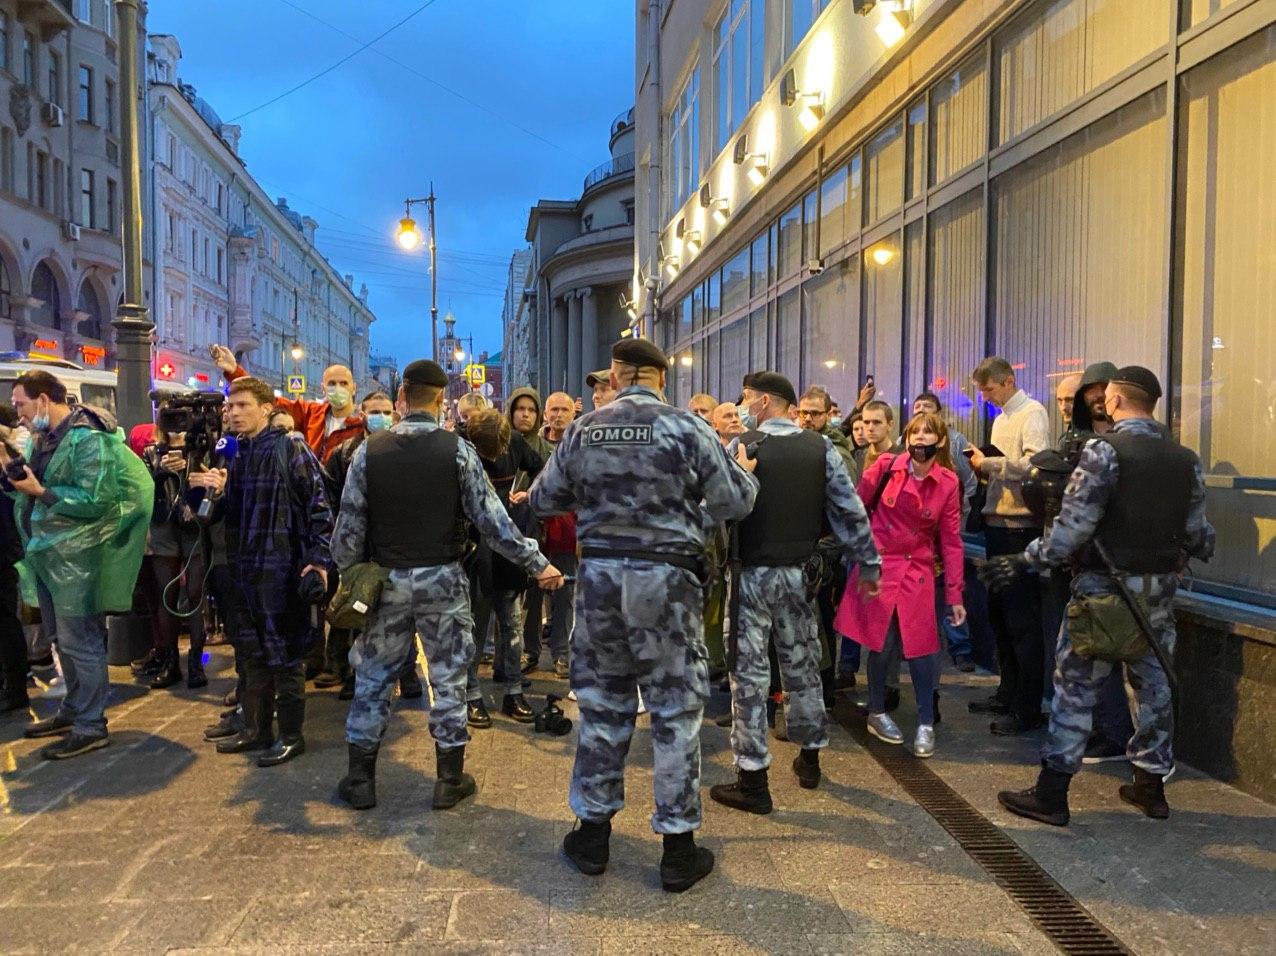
[(644, 552)]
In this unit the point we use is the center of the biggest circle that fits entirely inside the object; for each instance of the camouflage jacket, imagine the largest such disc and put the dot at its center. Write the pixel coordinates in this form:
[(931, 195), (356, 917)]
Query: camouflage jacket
[(478, 500), (1084, 501), (641, 474)]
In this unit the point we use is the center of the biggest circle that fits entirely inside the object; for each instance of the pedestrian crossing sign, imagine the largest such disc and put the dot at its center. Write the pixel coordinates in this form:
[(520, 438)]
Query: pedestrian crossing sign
[(296, 384), (476, 374)]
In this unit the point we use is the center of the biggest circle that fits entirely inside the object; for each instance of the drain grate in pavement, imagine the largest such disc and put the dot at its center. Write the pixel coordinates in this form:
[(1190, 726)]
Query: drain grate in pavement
[(1058, 915)]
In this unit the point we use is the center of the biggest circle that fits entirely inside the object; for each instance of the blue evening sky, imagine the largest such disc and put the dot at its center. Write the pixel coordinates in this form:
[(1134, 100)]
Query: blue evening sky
[(499, 102)]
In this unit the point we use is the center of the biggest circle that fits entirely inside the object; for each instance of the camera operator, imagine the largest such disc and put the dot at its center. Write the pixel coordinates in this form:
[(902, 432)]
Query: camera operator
[(278, 526), (83, 503), (187, 429)]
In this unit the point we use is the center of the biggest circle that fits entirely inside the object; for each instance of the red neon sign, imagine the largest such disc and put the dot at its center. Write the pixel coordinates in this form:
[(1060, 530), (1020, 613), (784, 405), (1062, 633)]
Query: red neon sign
[(167, 371), (201, 377), (49, 345), (93, 354)]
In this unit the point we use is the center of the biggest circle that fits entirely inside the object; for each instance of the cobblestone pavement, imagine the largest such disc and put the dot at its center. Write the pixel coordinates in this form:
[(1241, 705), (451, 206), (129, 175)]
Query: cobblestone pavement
[(159, 844)]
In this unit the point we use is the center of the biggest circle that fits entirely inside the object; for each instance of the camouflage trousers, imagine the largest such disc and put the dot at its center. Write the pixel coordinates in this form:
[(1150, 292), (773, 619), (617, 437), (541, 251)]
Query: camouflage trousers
[(774, 607), (435, 603), (638, 625), (1077, 681)]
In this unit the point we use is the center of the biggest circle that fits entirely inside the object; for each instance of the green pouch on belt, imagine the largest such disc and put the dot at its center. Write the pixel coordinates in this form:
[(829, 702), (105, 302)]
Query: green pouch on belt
[(358, 594), (1101, 626)]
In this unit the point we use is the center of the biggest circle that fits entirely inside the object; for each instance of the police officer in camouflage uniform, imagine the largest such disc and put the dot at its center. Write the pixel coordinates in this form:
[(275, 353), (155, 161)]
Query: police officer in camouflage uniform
[(646, 481), (804, 486), (407, 496), (1142, 496)]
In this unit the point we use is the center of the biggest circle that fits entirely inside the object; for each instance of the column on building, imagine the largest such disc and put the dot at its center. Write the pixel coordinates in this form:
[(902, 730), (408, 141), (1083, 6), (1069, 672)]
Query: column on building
[(557, 345), (575, 377), (588, 334)]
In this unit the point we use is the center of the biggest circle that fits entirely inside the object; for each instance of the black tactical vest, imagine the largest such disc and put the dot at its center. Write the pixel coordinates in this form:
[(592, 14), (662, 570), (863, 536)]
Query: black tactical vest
[(414, 499), (1144, 526), (788, 517)]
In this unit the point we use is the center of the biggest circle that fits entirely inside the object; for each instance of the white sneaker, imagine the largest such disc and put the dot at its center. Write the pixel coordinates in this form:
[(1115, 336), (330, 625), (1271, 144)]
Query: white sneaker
[(571, 695), (924, 742), (883, 728)]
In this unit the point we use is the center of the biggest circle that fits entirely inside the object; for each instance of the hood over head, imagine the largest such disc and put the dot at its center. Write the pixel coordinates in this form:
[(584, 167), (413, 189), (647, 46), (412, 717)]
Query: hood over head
[(1095, 374), (526, 392)]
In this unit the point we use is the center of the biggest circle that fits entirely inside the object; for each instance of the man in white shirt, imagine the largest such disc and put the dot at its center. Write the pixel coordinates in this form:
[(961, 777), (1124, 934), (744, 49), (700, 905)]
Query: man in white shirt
[(1020, 431)]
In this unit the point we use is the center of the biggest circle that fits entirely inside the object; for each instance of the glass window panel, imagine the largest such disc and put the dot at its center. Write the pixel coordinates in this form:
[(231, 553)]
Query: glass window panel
[(697, 308), (882, 318), (830, 332), (683, 382), (1199, 10), (884, 173), (808, 226), (710, 372), (735, 282), (854, 194), (759, 339), (1227, 300), (685, 325), (788, 335), (1060, 51), (833, 210), (914, 379), (735, 359), (758, 265), (916, 149), (1079, 260), (954, 265), (774, 232), (790, 257), (713, 299), (959, 119)]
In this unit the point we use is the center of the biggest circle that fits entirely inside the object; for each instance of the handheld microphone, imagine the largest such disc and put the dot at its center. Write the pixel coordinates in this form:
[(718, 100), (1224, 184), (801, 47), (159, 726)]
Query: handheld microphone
[(226, 449)]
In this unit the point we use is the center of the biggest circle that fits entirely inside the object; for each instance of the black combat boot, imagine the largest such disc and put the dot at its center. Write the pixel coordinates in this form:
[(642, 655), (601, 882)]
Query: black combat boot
[(1147, 792), (453, 784), (1046, 802), (587, 846), (684, 864), (195, 676), (170, 671), (807, 767), (516, 706), (749, 793), (292, 715), (359, 786)]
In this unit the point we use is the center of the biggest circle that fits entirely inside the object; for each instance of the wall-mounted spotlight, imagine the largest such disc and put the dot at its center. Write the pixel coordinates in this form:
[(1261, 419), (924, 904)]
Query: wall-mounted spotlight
[(721, 207), (756, 164), (691, 241), (810, 102), (672, 264), (631, 308), (897, 17), (863, 7)]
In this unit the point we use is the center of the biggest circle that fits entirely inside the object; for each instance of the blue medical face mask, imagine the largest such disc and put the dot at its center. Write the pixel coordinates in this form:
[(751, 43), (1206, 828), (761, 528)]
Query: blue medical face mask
[(747, 418), (379, 421)]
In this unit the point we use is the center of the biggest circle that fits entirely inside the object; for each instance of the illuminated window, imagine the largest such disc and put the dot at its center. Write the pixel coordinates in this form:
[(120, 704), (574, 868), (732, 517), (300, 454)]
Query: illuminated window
[(738, 51)]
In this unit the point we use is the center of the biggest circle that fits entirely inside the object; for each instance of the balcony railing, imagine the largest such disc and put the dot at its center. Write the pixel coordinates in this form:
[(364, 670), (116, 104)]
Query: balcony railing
[(623, 120), (613, 167)]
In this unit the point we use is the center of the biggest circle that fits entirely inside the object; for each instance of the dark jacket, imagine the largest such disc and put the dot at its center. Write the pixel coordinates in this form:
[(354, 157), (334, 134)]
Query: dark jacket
[(491, 571), (537, 442), (338, 465), (278, 520)]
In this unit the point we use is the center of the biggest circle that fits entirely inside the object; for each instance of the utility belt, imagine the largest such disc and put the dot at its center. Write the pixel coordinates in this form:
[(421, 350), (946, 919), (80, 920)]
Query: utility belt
[(699, 566)]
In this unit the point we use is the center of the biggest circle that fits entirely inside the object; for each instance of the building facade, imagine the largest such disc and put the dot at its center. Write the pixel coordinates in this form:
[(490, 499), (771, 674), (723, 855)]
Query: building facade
[(836, 195), (520, 290), (228, 264), (582, 267), (60, 194)]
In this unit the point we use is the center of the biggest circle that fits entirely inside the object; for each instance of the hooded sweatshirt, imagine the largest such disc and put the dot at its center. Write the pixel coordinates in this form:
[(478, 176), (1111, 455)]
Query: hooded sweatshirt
[(538, 444)]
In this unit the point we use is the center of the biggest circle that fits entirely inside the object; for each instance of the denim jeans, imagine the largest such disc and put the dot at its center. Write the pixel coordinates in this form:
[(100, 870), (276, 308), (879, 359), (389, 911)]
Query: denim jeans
[(81, 643), (561, 613), (507, 663), (957, 638)]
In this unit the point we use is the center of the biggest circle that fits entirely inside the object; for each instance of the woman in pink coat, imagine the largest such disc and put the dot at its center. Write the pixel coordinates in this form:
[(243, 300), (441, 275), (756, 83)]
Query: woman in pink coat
[(915, 518)]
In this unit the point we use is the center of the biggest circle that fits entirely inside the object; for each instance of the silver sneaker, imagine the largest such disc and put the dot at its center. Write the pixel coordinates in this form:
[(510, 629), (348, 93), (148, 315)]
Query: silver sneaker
[(924, 742), (883, 728)]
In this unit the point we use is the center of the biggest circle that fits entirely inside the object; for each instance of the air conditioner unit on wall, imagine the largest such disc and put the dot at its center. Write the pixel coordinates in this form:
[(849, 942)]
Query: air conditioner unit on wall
[(52, 114), (70, 231)]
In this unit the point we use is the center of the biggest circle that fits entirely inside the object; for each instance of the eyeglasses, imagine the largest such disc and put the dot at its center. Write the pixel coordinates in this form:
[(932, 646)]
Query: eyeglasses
[(804, 413)]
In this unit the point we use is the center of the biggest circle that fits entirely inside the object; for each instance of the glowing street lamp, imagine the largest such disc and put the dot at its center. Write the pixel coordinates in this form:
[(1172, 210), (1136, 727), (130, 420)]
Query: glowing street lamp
[(298, 353), (408, 236)]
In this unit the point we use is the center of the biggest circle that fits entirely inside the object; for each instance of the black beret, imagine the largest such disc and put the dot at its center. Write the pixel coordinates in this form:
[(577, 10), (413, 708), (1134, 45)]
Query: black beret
[(772, 383), (1140, 378), (640, 353), (601, 377), (424, 372)]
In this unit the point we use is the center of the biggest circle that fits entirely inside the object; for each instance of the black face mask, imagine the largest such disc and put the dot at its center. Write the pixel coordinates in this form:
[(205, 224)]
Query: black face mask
[(923, 453)]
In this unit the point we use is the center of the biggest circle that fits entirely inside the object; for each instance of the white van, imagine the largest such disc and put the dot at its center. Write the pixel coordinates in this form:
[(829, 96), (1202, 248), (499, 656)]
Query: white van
[(83, 386)]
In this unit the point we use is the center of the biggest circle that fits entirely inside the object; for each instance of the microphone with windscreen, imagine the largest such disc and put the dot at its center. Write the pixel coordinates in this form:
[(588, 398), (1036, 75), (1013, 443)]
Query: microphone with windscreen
[(224, 453)]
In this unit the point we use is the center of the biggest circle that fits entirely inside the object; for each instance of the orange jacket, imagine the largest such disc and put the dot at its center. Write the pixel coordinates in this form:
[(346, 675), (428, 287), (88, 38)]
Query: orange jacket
[(311, 419)]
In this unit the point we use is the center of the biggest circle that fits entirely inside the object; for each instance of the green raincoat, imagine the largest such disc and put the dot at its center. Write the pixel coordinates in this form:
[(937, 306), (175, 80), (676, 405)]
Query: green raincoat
[(87, 546)]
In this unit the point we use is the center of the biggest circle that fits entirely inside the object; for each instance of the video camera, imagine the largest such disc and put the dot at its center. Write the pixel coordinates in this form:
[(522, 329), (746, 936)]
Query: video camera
[(197, 415)]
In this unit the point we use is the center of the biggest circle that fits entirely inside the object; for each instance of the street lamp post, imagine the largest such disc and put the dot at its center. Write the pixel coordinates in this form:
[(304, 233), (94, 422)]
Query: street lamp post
[(409, 237), (132, 325)]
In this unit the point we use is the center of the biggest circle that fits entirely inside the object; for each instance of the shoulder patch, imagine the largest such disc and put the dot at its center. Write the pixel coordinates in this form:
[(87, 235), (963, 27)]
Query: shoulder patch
[(617, 435)]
